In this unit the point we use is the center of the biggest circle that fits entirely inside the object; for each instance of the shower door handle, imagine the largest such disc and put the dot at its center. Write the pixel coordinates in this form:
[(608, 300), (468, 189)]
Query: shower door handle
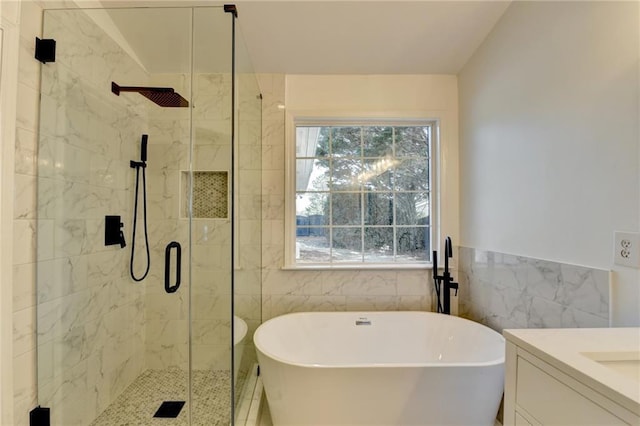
[(167, 266)]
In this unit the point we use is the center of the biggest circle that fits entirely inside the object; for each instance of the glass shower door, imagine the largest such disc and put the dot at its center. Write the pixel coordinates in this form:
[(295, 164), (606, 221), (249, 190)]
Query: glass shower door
[(105, 339)]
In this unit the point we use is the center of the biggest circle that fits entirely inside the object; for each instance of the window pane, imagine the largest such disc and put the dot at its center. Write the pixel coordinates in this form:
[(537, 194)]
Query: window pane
[(412, 141), (314, 204), (412, 208), (412, 175), (312, 141), (322, 147), (346, 175), (312, 175), (345, 209), (363, 193), (377, 141), (346, 141), (347, 245), (378, 244), (377, 175), (412, 244), (312, 244), (378, 208)]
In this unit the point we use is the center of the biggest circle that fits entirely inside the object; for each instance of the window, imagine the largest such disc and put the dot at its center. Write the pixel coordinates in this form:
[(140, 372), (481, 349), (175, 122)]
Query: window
[(363, 194)]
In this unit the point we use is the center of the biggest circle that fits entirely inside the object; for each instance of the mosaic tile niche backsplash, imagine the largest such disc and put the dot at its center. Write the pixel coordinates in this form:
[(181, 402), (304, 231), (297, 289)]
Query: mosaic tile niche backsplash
[(507, 291)]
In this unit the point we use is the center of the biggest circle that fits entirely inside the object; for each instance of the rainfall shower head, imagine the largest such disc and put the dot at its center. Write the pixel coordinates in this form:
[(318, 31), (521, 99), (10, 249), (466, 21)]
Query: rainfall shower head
[(163, 96)]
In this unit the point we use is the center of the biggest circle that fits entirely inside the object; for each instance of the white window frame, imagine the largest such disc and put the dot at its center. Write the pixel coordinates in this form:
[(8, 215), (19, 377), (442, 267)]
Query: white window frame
[(306, 118)]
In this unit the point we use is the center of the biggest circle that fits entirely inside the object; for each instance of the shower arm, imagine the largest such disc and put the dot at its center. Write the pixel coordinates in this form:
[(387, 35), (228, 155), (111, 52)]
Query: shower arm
[(117, 89)]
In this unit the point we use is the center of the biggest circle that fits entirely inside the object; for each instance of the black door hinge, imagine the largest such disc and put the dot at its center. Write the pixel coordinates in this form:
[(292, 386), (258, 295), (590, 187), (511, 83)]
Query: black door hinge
[(45, 50), (40, 416)]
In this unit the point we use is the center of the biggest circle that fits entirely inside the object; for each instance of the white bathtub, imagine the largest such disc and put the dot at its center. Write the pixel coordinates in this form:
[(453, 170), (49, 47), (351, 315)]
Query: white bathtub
[(405, 368), (239, 333)]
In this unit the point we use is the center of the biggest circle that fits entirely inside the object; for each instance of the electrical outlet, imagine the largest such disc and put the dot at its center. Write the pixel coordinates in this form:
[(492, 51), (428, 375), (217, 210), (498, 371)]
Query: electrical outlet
[(627, 249)]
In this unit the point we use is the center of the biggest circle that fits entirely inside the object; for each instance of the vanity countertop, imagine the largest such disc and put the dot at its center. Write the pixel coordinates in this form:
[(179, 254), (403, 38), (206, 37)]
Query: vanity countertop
[(604, 359)]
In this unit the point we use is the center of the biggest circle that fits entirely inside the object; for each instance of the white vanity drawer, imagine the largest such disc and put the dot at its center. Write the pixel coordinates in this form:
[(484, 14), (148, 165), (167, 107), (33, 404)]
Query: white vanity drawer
[(553, 403)]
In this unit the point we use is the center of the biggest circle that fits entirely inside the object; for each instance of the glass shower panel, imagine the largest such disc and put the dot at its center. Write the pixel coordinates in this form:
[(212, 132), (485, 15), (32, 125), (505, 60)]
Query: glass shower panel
[(248, 226), (211, 231)]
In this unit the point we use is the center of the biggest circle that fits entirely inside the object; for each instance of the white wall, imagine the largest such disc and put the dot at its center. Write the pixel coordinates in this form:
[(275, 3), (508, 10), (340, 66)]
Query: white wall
[(549, 137)]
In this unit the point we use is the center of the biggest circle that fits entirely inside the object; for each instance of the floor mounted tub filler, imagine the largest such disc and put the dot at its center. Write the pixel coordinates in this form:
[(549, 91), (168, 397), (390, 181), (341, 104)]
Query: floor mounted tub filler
[(380, 368)]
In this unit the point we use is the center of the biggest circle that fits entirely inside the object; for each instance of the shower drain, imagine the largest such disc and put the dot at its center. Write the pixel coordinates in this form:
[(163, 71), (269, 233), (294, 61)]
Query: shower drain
[(169, 409)]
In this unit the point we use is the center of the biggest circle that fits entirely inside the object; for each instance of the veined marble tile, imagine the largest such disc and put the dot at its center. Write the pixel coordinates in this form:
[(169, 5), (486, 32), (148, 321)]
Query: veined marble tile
[(505, 291), (249, 131), (61, 277), (214, 231), (276, 281), (371, 303), (248, 282), (272, 207), (273, 157), (25, 381), (25, 154), (24, 241), (249, 206), (27, 103), (273, 133), (212, 131), (212, 96), (414, 303), (24, 206), (361, 282), (211, 332), (167, 132), (585, 289), (24, 331), (273, 182), (250, 157), (414, 283), (285, 304), (24, 286)]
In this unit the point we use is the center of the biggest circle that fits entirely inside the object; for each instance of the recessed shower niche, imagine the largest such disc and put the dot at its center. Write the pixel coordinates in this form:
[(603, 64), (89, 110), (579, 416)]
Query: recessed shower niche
[(209, 197), (112, 350)]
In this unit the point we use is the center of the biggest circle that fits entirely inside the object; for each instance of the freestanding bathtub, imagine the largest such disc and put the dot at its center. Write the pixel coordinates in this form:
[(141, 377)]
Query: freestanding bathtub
[(380, 368), (239, 332)]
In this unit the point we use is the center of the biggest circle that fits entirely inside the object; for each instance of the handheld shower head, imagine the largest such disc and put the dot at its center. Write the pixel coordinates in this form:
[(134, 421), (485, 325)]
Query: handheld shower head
[(143, 148)]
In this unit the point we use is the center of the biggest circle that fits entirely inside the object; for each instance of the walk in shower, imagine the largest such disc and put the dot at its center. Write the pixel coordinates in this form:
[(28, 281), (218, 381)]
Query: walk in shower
[(165, 100)]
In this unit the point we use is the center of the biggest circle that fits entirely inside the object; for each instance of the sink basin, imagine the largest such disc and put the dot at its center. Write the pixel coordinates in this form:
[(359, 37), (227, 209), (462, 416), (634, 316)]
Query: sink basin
[(625, 363)]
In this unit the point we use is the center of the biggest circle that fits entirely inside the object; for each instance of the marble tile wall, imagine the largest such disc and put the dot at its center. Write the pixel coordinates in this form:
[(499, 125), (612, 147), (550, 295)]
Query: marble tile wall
[(507, 291), (293, 291), (90, 314), (247, 276)]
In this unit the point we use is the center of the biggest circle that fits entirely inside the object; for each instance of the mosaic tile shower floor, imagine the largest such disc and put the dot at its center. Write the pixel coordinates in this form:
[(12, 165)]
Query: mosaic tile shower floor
[(139, 402)]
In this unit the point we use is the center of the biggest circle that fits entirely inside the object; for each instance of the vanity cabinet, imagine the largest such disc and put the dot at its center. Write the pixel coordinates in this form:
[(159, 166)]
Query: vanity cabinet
[(538, 393)]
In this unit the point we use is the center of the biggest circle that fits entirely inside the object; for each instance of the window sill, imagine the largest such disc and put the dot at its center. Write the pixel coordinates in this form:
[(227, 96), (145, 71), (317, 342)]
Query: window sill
[(357, 267)]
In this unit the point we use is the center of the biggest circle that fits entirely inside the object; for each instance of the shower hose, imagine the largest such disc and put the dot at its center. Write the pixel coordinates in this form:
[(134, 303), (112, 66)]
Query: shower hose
[(139, 166)]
